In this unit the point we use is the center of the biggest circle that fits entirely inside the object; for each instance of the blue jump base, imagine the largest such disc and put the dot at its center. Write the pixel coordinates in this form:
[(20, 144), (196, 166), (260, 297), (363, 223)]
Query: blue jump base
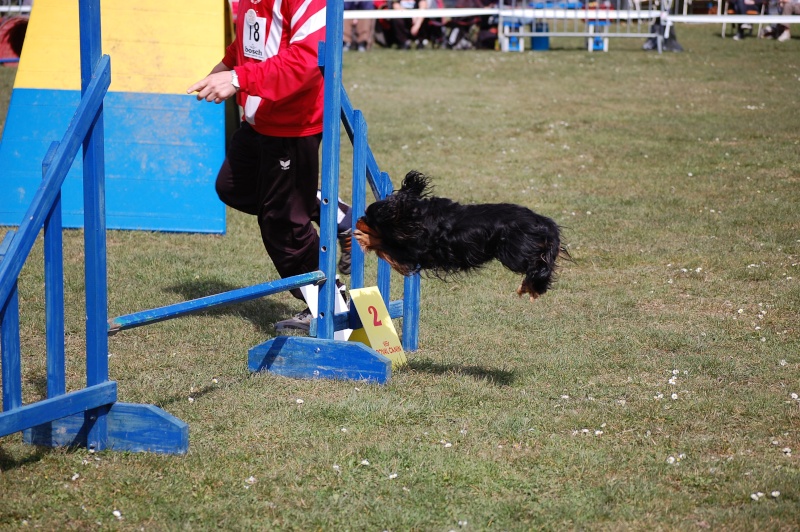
[(310, 358)]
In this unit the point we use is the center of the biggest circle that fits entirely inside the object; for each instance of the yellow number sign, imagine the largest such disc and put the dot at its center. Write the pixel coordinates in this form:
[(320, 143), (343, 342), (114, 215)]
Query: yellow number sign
[(378, 330)]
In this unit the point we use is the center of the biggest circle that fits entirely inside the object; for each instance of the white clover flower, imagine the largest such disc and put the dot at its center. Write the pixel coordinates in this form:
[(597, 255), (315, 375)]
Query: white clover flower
[(793, 396), (675, 372), (365, 462), (775, 494), (393, 476), (670, 459), (337, 467), (754, 496), (191, 399), (598, 433), (299, 401), (674, 396), (117, 514), (75, 477), (448, 445), (251, 480), (787, 451), (215, 381)]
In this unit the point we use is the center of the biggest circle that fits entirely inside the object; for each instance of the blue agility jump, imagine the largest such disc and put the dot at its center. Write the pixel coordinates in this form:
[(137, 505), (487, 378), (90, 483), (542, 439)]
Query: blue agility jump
[(92, 416)]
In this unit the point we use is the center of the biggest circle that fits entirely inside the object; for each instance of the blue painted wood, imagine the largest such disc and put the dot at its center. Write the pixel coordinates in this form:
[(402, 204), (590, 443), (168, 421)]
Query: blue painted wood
[(411, 303), (10, 354), (162, 154), (54, 290), (65, 405), (373, 172), (5, 244), (384, 270), (308, 358), (168, 312), (131, 427), (360, 149), (331, 144), (94, 234), (48, 191)]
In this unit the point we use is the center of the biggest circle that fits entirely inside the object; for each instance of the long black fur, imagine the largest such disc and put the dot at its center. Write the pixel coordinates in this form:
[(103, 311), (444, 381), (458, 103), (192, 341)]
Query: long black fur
[(415, 231)]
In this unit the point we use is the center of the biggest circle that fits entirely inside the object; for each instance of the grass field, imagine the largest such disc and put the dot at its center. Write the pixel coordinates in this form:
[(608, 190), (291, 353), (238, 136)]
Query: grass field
[(651, 389)]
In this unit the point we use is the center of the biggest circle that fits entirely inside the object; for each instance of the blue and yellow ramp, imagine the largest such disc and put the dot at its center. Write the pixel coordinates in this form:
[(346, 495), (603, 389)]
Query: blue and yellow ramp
[(162, 147)]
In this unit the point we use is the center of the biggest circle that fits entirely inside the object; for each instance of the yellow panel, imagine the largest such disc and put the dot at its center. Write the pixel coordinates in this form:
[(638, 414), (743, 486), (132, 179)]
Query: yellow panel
[(156, 46)]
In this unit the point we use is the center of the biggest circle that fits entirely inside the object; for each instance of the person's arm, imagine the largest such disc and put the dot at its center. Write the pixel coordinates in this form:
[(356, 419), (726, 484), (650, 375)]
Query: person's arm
[(416, 23), (217, 86)]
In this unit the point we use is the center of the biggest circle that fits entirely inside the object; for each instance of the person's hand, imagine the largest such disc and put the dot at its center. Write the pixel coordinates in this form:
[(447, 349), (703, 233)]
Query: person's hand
[(215, 87)]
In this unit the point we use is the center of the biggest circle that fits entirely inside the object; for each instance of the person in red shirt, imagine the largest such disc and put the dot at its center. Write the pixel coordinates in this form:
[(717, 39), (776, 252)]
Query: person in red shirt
[(271, 68)]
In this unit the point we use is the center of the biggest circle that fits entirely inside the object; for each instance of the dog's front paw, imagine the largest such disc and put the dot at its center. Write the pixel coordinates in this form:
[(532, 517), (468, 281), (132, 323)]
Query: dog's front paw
[(533, 296)]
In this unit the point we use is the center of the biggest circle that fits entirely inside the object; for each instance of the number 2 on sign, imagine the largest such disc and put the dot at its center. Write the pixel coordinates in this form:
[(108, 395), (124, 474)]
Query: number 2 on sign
[(374, 313)]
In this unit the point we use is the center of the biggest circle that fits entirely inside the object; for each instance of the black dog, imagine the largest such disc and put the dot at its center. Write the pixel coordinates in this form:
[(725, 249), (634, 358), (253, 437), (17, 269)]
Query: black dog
[(414, 231)]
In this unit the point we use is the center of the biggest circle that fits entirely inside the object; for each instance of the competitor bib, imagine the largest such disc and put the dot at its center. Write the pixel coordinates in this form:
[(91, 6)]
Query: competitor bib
[(254, 36)]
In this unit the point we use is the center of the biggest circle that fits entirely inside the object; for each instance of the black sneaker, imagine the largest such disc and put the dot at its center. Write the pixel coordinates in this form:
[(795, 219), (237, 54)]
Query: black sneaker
[(346, 245), (299, 322)]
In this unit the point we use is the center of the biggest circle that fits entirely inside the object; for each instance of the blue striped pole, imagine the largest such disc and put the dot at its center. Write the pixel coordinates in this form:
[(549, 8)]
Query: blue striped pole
[(146, 317)]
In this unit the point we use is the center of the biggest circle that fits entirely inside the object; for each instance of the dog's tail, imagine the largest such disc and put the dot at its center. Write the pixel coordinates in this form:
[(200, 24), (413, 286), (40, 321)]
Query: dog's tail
[(415, 184)]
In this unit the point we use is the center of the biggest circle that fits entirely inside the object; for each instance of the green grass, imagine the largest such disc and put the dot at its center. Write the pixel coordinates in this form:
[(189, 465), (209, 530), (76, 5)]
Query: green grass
[(675, 177)]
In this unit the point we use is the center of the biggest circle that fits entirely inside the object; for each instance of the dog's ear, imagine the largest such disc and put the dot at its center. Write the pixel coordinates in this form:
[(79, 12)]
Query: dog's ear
[(415, 184)]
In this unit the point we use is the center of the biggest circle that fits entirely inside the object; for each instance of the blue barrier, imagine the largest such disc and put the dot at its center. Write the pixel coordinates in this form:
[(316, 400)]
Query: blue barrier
[(92, 416)]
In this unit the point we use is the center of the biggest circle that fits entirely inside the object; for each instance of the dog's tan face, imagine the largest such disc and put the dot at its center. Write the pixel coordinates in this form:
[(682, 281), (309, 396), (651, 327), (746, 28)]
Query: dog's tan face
[(366, 237), (369, 240)]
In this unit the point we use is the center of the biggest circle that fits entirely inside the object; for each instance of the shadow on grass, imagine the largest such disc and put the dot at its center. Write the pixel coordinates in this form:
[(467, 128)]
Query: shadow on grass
[(499, 377), (8, 463), (262, 312), (181, 398)]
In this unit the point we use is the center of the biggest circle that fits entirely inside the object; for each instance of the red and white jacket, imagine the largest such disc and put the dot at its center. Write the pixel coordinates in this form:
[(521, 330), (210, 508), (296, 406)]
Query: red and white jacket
[(274, 55)]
